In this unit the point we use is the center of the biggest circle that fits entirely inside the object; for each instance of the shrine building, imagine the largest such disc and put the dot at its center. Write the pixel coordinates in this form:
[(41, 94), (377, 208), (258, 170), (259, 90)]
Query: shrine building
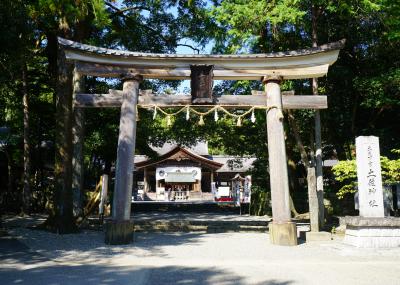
[(187, 174)]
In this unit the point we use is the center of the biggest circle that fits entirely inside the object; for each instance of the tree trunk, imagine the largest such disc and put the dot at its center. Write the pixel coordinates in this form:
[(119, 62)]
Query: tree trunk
[(292, 181), (77, 139), (64, 221), (303, 153), (26, 191), (61, 218), (296, 133), (316, 11)]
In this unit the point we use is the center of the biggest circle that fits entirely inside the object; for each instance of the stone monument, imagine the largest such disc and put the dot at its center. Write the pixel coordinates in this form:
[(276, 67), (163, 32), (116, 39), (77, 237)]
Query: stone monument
[(371, 228), (369, 177)]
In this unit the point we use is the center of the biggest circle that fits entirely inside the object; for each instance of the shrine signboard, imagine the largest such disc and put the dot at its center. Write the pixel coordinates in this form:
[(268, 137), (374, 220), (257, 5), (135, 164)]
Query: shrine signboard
[(369, 177)]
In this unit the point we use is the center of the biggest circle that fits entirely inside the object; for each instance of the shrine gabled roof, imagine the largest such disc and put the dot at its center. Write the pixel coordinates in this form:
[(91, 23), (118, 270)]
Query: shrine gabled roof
[(304, 63), (199, 148), (171, 155)]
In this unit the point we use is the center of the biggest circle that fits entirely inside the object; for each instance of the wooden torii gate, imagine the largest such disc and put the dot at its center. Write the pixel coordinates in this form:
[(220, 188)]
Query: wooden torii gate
[(132, 67)]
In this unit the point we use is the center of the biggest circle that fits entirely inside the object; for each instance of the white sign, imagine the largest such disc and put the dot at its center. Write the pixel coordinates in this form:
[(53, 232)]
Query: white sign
[(160, 193), (369, 177), (247, 190), (162, 172), (224, 191)]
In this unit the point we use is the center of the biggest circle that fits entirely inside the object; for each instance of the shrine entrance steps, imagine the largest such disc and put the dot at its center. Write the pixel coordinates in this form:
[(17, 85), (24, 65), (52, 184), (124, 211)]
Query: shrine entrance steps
[(210, 222), (187, 207), (193, 220), (195, 217)]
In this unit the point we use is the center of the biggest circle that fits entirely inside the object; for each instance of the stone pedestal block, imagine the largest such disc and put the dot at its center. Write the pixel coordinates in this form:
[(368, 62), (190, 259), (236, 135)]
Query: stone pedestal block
[(283, 233), (318, 236), (376, 237), (118, 232), (372, 232)]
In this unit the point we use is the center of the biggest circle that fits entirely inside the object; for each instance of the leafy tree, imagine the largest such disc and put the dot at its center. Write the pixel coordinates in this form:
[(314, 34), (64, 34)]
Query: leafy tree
[(363, 86), (346, 174)]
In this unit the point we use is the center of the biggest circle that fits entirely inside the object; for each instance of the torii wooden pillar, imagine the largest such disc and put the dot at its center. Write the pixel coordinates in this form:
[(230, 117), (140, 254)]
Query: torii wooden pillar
[(119, 229), (271, 68), (282, 229)]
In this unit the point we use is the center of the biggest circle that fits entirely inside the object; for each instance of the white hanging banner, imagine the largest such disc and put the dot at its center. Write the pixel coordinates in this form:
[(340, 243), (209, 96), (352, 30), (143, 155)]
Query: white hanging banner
[(247, 190)]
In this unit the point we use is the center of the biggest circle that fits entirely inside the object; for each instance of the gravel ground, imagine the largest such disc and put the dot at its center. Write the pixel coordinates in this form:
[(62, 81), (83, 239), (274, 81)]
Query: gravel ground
[(37, 257), (154, 216)]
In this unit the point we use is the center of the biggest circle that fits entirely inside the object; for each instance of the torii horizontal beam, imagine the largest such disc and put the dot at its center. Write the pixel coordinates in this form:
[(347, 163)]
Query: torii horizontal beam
[(182, 73), (115, 98), (103, 62)]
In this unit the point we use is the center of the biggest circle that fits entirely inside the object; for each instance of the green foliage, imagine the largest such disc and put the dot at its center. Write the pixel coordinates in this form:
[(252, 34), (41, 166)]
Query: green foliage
[(244, 24), (391, 19), (66, 13), (382, 91), (346, 174), (363, 85), (260, 200)]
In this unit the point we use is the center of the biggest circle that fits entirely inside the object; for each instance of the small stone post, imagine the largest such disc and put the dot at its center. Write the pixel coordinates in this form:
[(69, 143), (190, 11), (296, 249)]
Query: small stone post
[(313, 200), (282, 230), (120, 229)]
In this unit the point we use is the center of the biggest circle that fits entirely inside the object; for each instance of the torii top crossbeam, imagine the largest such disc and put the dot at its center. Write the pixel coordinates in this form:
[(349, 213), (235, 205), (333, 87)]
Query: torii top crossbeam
[(103, 62)]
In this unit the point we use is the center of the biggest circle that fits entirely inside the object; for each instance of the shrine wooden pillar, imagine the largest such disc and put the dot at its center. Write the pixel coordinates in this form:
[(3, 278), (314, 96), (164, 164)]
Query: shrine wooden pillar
[(282, 230), (120, 229)]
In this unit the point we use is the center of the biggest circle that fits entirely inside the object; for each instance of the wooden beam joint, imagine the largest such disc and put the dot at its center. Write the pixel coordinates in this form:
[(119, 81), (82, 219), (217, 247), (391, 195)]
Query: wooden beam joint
[(272, 78), (201, 83), (131, 77)]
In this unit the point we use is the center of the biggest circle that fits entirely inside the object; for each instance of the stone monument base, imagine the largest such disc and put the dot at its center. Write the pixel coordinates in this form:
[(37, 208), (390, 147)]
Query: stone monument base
[(283, 233), (318, 236), (118, 232), (372, 232)]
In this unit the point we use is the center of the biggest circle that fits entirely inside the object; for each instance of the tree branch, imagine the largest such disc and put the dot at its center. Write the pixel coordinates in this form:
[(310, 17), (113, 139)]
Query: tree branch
[(190, 46), (167, 40), (122, 11)]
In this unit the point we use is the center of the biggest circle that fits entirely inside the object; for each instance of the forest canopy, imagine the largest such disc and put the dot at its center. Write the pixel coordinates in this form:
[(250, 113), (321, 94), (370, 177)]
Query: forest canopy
[(363, 86)]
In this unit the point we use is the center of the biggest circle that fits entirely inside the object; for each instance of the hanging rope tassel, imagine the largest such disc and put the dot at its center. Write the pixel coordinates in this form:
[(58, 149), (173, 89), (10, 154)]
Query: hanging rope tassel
[(187, 113), (253, 117), (239, 122), (216, 114), (168, 120), (201, 121), (155, 112)]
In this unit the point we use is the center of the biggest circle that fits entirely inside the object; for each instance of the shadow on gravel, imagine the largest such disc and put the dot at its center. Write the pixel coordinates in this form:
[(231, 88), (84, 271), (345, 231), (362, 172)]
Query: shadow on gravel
[(92, 274), (153, 242), (89, 244), (13, 251)]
